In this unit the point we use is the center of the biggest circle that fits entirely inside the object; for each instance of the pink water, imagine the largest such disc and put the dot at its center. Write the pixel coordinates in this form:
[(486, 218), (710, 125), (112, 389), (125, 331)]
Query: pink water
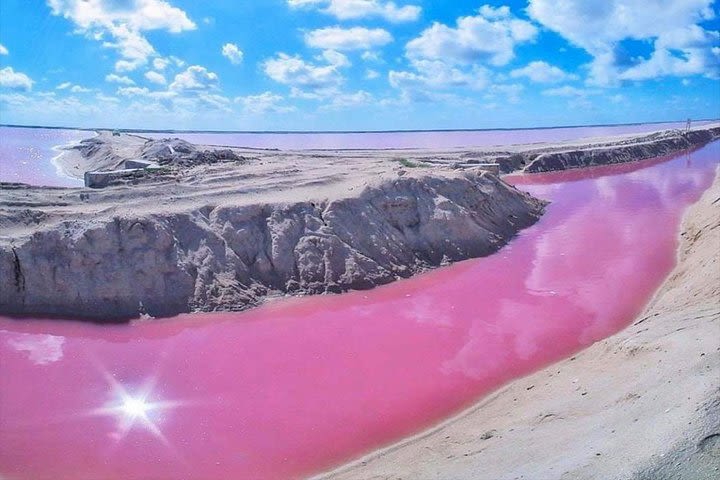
[(301, 385), (26, 155), (413, 139)]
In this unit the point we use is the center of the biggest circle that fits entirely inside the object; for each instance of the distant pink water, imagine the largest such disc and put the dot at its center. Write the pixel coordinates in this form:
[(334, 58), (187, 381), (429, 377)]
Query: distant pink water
[(26, 154), (301, 385), (427, 139)]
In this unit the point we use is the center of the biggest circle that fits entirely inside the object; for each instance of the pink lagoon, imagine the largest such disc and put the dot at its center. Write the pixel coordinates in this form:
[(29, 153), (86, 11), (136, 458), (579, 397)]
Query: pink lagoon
[(301, 385)]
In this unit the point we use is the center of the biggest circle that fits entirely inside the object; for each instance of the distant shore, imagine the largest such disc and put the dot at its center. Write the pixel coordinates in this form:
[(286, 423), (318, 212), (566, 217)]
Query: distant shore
[(312, 132)]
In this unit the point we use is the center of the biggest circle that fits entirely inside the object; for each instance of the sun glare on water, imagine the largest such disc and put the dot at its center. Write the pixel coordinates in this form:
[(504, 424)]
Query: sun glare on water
[(141, 409), (135, 407)]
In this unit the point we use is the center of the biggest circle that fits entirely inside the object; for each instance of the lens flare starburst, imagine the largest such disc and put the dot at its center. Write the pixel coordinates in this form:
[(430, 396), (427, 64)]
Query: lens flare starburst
[(138, 409)]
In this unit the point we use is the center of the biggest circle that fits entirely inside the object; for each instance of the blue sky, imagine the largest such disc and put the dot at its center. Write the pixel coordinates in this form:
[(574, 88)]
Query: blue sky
[(356, 64)]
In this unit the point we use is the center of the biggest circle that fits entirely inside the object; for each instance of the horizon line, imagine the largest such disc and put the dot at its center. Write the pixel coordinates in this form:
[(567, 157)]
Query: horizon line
[(311, 132)]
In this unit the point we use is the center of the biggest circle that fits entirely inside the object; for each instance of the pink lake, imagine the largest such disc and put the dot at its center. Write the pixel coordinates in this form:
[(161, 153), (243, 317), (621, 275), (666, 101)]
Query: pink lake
[(301, 385)]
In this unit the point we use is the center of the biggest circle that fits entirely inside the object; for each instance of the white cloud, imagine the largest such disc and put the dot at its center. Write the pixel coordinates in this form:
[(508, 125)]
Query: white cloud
[(13, 80), (371, 74), (101, 97), (334, 58), (371, 56), (438, 74), (3, 50), (160, 63), (568, 91), (141, 108), (346, 100), (72, 88), (127, 65), (122, 80), (682, 52), (511, 93), (542, 72), (155, 77), (124, 23), (263, 103), (144, 92), (133, 91), (355, 38), (301, 75), (232, 53), (491, 36), (356, 9), (194, 78), (679, 45)]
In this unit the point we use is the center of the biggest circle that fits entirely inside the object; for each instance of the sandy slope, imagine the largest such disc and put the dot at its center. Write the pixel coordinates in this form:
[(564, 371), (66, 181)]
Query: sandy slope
[(135, 256), (644, 403)]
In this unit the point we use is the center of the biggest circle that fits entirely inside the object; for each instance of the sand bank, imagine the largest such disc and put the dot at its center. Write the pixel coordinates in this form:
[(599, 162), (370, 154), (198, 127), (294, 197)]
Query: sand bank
[(67, 254), (642, 404), (216, 228)]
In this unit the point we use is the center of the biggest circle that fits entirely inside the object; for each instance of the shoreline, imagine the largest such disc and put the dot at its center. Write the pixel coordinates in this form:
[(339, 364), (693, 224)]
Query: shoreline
[(489, 427), (311, 132), (62, 150), (230, 227)]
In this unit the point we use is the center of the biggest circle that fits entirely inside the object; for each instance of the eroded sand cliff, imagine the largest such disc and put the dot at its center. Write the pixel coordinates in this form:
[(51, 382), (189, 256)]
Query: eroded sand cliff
[(228, 256)]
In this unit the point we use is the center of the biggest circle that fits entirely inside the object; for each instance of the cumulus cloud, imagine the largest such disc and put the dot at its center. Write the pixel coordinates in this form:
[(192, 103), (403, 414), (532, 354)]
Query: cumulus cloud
[(303, 76), (160, 63), (3, 50), (121, 79), (679, 45), (542, 72), (334, 57), (356, 9), (133, 91), (194, 78), (438, 74), (263, 103), (120, 24), (73, 88), (13, 80), (155, 77), (356, 38), (491, 36), (232, 53), (444, 57)]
